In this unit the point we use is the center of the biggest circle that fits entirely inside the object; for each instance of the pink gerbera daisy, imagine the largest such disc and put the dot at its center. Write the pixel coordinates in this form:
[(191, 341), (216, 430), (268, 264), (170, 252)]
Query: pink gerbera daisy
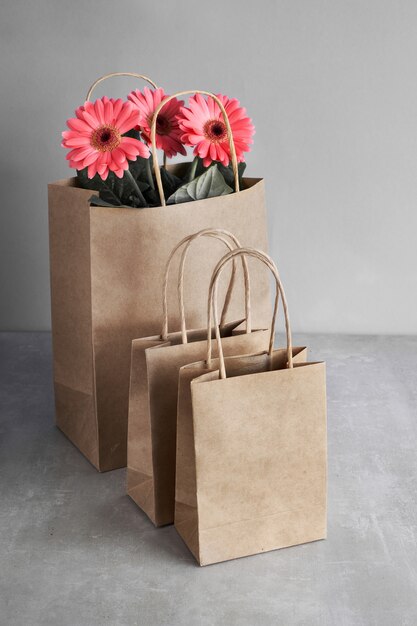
[(203, 127), (168, 133), (96, 138)]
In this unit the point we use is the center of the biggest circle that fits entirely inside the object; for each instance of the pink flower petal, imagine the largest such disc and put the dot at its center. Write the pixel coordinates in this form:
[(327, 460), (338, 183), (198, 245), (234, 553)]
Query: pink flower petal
[(203, 149), (76, 142), (79, 154), (149, 99), (89, 159), (125, 113), (194, 139), (92, 170), (71, 134), (117, 108), (99, 110), (118, 156), (129, 123), (78, 125), (222, 154), (90, 119)]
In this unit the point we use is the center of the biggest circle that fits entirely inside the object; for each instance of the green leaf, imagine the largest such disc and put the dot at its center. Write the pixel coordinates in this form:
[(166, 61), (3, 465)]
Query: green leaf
[(151, 197), (208, 185), (104, 187), (138, 169), (97, 201), (227, 173), (134, 134), (200, 169), (170, 182), (124, 188)]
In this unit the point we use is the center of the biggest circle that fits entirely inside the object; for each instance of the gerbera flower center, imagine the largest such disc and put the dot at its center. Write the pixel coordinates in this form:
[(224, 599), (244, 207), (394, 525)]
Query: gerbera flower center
[(105, 138), (215, 131)]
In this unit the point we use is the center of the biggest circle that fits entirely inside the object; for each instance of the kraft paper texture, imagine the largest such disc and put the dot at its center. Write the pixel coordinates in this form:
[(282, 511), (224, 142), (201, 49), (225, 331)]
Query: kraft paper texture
[(106, 271)]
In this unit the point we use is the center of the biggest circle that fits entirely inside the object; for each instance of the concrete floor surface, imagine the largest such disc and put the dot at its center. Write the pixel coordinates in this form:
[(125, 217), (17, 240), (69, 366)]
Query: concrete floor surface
[(76, 551)]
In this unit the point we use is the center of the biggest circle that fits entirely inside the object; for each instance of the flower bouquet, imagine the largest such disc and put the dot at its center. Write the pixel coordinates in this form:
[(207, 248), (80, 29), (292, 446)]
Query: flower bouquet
[(107, 260), (112, 145)]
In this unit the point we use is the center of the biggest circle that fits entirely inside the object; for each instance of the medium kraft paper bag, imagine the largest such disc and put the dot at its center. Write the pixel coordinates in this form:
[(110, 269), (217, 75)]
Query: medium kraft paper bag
[(106, 269), (251, 448), (154, 389)]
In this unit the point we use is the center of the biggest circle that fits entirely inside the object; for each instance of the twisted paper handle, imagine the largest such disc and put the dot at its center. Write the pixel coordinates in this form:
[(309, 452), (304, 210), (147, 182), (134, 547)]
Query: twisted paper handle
[(216, 232), (212, 303), (106, 76), (207, 232)]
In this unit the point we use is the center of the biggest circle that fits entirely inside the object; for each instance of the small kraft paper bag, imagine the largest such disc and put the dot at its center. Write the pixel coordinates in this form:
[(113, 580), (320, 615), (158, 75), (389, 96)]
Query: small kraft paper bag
[(107, 267), (153, 394), (251, 447)]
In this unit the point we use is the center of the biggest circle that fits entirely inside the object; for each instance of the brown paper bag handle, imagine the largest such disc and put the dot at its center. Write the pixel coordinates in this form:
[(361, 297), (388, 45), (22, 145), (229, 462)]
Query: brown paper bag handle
[(212, 303), (216, 232), (208, 232), (106, 76), (164, 332), (233, 156)]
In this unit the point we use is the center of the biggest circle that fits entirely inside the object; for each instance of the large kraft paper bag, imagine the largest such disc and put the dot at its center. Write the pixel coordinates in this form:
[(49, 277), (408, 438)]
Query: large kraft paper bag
[(251, 448), (154, 391), (106, 270)]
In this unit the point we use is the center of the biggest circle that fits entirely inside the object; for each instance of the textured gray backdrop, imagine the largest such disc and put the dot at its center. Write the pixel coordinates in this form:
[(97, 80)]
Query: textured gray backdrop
[(331, 87)]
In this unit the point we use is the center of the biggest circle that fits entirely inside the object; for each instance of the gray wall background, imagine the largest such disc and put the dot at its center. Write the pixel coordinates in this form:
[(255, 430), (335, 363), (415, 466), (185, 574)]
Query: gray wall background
[(332, 88)]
